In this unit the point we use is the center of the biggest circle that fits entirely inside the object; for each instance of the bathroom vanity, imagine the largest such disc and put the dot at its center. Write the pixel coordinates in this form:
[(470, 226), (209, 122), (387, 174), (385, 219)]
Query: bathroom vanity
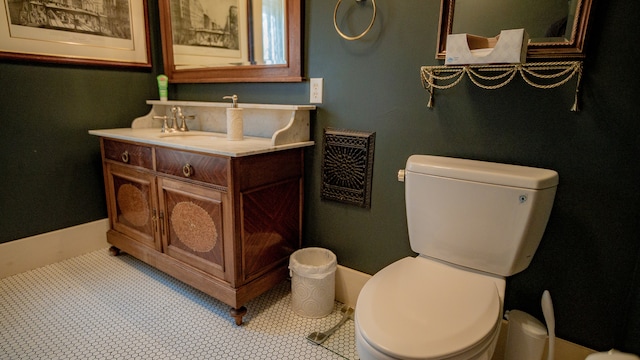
[(222, 216)]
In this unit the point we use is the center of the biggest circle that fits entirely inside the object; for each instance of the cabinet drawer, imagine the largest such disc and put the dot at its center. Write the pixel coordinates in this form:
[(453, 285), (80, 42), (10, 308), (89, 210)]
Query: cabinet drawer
[(206, 168), (127, 153)]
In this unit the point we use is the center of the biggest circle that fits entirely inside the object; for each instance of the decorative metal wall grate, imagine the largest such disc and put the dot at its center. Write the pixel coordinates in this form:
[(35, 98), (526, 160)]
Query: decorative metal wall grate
[(347, 166)]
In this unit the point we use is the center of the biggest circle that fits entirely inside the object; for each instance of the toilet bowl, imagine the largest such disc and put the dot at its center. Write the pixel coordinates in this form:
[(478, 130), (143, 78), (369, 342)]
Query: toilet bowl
[(421, 308)]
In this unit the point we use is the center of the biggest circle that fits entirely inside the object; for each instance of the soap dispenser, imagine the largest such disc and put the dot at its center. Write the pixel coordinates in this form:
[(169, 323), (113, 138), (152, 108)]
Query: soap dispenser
[(234, 120)]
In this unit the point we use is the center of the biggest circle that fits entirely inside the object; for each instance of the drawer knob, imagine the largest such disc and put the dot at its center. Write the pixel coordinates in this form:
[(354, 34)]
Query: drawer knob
[(187, 170), (125, 157)]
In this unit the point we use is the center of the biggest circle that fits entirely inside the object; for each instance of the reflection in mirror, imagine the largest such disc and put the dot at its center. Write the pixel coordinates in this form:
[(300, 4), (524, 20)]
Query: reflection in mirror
[(543, 20), (215, 33), (556, 27), (231, 40)]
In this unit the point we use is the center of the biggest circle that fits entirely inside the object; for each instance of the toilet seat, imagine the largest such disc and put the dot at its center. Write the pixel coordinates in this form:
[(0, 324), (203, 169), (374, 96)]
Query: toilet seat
[(418, 308)]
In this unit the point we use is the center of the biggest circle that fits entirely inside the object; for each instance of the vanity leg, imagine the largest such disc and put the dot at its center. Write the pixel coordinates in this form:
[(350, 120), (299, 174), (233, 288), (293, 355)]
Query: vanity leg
[(238, 314), (114, 251)]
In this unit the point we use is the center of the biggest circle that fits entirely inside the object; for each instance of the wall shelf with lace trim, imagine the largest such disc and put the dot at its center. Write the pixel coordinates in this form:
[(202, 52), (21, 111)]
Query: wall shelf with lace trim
[(542, 75)]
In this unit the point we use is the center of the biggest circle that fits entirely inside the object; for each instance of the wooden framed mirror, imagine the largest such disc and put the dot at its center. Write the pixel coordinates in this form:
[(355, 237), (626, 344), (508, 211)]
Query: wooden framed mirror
[(223, 41), (557, 28)]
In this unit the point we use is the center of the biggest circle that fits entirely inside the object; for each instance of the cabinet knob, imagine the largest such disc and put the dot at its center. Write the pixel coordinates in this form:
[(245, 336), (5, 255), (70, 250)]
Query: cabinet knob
[(125, 157), (187, 170)]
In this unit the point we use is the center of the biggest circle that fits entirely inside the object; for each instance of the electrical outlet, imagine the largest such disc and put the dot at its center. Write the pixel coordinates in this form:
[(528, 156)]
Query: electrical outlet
[(315, 90)]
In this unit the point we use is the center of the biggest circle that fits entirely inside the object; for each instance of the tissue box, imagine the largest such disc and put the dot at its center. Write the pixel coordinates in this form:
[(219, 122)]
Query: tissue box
[(507, 48)]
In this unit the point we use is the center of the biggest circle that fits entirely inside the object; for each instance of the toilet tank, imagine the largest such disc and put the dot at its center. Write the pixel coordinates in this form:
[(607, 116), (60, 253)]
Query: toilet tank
[(481, 215)]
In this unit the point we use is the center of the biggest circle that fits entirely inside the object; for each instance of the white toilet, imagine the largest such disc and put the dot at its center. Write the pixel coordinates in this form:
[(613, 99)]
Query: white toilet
[(473, 224)]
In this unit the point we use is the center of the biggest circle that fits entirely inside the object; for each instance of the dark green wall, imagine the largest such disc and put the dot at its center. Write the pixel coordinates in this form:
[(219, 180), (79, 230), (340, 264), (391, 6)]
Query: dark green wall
[(50, 165), (589, 257)]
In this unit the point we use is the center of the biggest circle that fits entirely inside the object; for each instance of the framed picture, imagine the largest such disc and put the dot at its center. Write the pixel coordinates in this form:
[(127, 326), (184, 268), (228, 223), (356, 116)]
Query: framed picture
[(103, 33), (210, 41)]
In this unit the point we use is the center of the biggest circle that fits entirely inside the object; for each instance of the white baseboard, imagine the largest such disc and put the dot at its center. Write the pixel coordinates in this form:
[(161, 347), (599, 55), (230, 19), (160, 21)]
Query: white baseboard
[(349, 282), (44, 249), (564, 350), (40, 250)]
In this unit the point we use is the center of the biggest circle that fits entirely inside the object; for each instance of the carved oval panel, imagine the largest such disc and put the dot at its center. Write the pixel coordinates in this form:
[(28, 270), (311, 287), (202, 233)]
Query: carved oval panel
[(194, 227), (133, 205)]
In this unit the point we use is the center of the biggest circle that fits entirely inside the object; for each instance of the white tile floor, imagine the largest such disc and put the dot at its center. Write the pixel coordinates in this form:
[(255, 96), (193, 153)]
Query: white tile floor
[(100, 307)]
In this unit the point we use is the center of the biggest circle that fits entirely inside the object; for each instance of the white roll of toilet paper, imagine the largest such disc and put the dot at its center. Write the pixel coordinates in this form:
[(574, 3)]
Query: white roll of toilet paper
[(234, 124)]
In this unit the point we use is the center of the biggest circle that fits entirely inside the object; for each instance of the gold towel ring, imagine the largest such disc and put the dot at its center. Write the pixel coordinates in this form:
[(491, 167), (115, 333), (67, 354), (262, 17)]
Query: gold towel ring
[(335, 23)]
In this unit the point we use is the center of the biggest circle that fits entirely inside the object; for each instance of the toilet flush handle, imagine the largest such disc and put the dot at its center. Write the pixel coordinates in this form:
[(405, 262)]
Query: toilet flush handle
[(401, 175)]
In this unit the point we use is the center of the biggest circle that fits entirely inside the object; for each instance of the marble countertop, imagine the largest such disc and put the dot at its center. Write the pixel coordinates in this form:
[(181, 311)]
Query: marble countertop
[(202, 141)]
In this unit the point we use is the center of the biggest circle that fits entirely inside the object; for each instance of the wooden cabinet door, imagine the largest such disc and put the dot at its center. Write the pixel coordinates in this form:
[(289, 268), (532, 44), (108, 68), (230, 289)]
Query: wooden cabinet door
[(131, 194), (195, 225), (271, 218)]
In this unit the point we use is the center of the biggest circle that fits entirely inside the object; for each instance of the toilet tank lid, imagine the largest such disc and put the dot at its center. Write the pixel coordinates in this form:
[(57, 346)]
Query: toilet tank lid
[(483, 171)]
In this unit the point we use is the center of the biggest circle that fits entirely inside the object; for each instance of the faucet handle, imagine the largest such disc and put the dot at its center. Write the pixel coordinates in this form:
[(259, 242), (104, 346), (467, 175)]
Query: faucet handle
[(183, 123), (164, 122)]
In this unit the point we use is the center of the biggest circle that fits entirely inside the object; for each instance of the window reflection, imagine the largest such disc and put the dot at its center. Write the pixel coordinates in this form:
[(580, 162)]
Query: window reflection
[(273, 26)]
